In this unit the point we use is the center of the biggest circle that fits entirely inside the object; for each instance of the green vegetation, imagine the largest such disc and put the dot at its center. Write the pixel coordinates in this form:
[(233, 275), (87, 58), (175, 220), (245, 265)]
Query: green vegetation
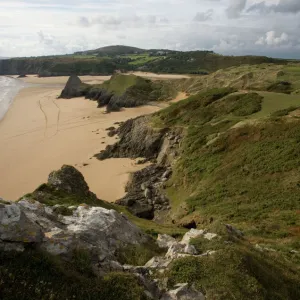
[(37, 275), (138, 255), (234, 170), (118, 84), (238, 272), (107, 60), (47, 195), (280, 87), (245, 104), (284, 112)]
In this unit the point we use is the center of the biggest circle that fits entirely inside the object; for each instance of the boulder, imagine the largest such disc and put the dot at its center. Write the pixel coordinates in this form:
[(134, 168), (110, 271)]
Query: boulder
[(73, 88), (234, 231), (16, 227), (193, 233), (165, 241), (69, 180), (183, 291)]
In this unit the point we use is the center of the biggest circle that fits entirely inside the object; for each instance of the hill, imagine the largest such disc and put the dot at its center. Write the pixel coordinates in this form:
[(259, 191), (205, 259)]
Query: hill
[(112, 50), (107, 60), (121, 91), (231, 154)]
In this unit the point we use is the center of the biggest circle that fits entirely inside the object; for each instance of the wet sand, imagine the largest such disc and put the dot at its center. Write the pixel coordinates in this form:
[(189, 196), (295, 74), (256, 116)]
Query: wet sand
[(40, 133)]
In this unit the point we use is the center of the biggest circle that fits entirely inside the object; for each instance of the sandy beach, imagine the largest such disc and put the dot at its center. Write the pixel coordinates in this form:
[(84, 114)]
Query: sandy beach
[(40, 133)]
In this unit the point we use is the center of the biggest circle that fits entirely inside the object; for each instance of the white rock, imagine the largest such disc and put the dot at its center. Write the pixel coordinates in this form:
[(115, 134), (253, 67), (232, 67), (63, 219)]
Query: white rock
[(190, 249), (193, 233), (165, 241), (158, 262), (16, 227), (174, 250), (183, 292), (209, 236)]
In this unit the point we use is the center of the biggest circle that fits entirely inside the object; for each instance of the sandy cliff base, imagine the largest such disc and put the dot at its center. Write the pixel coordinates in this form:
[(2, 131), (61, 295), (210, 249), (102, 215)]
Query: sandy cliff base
[(41, 133)]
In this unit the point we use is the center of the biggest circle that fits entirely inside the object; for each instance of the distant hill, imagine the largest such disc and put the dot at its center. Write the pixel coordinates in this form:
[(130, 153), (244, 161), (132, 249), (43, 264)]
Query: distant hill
[(112, 50), (107, 60)]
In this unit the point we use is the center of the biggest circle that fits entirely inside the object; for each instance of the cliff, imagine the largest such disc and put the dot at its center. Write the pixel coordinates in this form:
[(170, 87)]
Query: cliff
[(120, 91)]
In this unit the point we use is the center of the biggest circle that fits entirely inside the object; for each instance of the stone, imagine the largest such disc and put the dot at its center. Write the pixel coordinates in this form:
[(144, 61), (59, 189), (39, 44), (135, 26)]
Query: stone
[(148, 193), (16, 227), (167, 174), (69, 180), (234, 232), (158, 262), (174, 250), (193, 233), (165, 241), (183, 291), (209, 236), (190, 249), (72, 88)]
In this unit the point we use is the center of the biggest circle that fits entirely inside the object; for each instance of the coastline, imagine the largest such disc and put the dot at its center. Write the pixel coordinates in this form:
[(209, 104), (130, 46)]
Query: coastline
[(41, 133), (10, 87)]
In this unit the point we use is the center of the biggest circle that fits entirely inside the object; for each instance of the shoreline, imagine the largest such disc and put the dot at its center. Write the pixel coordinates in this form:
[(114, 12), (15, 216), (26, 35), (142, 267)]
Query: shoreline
[(41, 133)]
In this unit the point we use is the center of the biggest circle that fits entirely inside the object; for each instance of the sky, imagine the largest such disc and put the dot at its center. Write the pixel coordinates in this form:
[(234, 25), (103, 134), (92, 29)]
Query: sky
[(232, 27)]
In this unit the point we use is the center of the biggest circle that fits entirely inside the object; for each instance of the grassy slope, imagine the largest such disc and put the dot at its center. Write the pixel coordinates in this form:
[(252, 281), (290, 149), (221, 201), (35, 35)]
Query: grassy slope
[(126, 59), (118, 84), (241, 169), (245, 174), (34, 275), (245, 77)]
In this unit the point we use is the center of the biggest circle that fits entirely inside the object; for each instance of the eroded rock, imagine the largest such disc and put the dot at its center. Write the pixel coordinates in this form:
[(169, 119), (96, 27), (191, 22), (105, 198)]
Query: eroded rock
[(73, 88), (16, 227), (183, 291)]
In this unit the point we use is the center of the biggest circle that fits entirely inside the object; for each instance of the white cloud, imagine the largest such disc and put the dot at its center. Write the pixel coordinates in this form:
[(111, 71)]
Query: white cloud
[(47, 27), (271, 39)]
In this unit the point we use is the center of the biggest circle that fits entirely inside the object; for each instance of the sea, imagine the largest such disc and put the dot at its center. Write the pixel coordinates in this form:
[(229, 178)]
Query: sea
[(9, 87)]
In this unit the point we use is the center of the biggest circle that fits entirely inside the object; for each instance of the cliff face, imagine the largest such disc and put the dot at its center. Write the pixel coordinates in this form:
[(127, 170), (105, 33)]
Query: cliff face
[(146, 197), (56, 66)]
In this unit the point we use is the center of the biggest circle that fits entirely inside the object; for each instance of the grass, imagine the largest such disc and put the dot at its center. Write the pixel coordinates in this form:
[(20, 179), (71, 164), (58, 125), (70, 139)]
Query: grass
[(38, 275), (248, 174), (138, 255), (238, 271), (245, 104), (273, 102), (47, 195), (118, 84), (284, 112)]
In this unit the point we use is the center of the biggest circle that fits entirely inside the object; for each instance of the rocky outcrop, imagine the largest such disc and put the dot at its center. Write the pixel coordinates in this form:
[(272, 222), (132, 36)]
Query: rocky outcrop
[(73, 88), (68, 179), (15, 227), (183, 291), (137, 139), (144, 192)]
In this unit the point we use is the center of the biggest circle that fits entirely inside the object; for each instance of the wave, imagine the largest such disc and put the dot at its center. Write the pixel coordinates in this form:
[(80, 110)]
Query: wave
[(9, 87)]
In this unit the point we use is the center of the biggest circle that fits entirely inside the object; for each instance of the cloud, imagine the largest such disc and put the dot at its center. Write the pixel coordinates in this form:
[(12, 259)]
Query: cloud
[(271, 39), (204, 16), (234, 27), (283, 6), (235, 8)]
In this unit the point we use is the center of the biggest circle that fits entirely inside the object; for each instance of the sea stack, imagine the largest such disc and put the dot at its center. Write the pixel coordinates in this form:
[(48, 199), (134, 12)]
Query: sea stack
[(72, 88)]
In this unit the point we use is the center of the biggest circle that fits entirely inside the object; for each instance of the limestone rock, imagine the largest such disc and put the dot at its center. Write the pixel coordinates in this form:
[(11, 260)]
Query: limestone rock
[(16, 227), (72, 88), (69, 180), (193, 233), (137, 139), (165, 241), (158, 262), (183, 292)]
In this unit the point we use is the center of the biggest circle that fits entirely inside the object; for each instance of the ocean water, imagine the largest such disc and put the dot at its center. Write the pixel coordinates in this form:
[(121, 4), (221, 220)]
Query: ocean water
[(9, 87)]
